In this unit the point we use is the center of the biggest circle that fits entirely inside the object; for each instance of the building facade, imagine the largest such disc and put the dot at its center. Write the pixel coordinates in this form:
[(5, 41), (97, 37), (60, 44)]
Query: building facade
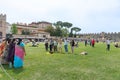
[(33, 30), (2, 26), (40, 25)]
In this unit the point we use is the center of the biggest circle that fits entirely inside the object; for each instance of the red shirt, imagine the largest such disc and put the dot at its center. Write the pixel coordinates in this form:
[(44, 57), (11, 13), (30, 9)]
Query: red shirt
[(93, 41)]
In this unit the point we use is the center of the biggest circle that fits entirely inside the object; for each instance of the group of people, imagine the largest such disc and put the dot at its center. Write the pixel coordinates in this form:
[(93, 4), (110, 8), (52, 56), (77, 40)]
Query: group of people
[(55, 45), (12, 52), (90, 42)]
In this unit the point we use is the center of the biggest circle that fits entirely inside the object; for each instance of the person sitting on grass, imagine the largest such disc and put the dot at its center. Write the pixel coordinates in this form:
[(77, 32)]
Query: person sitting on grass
[(34, 44), (117, 45)]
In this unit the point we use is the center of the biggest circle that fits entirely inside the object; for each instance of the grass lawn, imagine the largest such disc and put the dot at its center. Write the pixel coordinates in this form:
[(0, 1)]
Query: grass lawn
[(99, 64)]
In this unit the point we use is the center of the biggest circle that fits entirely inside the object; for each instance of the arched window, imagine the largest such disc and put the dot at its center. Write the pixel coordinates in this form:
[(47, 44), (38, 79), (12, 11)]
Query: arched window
[(0, 35)]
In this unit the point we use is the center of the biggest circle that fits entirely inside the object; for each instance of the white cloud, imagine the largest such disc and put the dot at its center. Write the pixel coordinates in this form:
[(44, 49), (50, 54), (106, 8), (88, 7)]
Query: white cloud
[(88, 13)]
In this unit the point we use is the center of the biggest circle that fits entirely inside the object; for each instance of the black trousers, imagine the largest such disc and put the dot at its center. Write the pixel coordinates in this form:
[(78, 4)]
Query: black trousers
[(51, 47), (46, 46), (55, 48), (108, 47)]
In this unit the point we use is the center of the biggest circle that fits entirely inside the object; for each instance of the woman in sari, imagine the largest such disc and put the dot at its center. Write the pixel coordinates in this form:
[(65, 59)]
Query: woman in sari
[(2, 47), (19, 54), (3, 52), (11, 52)]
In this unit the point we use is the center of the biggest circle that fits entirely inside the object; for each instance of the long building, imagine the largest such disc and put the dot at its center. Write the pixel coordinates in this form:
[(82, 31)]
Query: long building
[(36, 30)]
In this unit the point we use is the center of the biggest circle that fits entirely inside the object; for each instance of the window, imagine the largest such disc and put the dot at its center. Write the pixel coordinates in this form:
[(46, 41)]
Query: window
[(44, 35), (0, 35), (0, 23)]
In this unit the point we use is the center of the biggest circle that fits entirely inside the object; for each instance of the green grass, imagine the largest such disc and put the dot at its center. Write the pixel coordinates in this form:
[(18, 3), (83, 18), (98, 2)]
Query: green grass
[(99, 64)]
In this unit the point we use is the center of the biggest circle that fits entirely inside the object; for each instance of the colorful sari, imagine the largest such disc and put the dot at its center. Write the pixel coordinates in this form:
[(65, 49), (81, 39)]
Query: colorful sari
[(11, 52), (3, 53), (2, 47), (19, 56)]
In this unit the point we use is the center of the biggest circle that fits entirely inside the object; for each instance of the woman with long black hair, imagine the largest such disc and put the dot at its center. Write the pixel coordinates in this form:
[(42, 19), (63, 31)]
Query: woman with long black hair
[(19, 54), (11, 51)]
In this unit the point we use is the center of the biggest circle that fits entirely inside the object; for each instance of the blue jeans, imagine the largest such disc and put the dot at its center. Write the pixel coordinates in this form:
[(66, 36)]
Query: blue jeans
[(66, 48)]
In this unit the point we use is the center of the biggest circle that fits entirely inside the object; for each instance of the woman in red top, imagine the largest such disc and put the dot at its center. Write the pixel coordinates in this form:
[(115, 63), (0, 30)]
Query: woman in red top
[(93, 42)]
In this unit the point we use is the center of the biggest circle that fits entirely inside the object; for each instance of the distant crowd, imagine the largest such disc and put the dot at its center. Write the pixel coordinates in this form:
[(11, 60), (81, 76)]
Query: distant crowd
[(55, 45)]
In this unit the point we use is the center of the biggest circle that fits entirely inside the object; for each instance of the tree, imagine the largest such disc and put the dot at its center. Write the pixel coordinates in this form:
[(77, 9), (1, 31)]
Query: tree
[(25, 32), (67, 25), (59, 23), (50, 30), (64, 32), (58, 28), (14, 29), (71, 33), (58, 31), (76, 29)]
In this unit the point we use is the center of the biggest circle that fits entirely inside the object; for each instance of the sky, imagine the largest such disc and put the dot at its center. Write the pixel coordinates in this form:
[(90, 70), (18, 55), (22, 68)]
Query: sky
[(92, 16)]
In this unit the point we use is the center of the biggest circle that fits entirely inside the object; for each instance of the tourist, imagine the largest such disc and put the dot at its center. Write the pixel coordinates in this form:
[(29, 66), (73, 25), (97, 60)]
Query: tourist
[(19, 54), (46, 44), (51, 45), (116, 45), (2, 46), (11, 52), (76, 44), (66, 45), (86, 42), (5, 46), (72, 43), (60, 45), (93, 42), (108, 44), (55, 45)]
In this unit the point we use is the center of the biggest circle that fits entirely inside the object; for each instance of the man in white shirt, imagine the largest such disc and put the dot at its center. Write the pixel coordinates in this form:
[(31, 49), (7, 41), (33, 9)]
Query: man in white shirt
[(108, 44), (66, 45)]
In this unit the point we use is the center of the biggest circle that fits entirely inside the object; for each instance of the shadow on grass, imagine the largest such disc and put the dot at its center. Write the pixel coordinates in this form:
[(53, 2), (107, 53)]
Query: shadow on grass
[(18, 70), (15, 70)]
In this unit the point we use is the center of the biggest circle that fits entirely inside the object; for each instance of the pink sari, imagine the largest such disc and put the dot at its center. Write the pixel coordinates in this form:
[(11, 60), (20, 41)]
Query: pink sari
[(19, 56)]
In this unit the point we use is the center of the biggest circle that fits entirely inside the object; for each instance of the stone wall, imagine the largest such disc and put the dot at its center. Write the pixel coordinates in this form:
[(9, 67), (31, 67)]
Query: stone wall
[(101, 36), (2, 26)]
